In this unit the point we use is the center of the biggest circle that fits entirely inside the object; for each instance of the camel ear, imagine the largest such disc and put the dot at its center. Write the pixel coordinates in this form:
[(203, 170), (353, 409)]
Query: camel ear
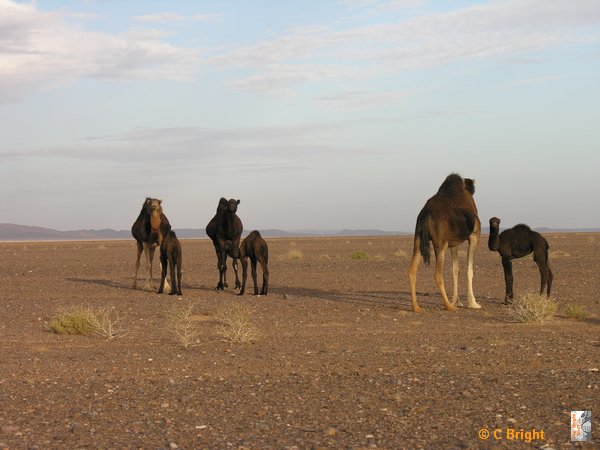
[(159, 201), (237, 203)]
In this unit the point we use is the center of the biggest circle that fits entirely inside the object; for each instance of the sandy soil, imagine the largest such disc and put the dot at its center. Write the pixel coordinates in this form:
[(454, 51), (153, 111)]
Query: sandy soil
[(340, 360)]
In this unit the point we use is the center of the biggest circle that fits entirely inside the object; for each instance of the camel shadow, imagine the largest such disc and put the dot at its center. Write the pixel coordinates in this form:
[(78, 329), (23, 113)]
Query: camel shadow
[(102, 282)]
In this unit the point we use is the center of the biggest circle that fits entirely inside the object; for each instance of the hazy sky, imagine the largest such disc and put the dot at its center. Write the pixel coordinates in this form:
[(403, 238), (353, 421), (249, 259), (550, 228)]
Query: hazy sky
[(316, 114)]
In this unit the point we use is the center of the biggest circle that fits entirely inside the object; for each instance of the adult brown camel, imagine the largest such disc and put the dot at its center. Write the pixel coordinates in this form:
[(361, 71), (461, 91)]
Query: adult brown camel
[(255, 248), (517, 242), (448, 219), (225, 230), (149, 230)]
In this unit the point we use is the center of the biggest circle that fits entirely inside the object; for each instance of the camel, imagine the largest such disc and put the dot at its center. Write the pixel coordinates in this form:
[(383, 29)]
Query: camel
[(170, 255), (517, 242), (447, 220), (149, 230), (225, 230), (255, 248)]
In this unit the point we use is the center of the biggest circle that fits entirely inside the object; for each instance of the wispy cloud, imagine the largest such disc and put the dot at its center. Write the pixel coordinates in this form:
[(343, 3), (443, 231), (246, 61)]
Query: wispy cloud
[(166, 17), (506, 29), (359, 99), (45, 47)]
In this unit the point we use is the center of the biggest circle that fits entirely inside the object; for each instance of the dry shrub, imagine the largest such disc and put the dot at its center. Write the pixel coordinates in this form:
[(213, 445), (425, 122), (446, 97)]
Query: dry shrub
[(295, 254), (84, 320), (74, 320), (556, 254), (181, 324), (575, 312), (325, 257), (360, 255), (236, 324), (401, 253), (107, 324), (533, 307)]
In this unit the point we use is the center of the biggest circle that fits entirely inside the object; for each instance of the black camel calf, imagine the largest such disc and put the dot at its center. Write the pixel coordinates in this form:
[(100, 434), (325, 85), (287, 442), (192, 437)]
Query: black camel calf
[(517, 242), (170, 254), (255, 248)]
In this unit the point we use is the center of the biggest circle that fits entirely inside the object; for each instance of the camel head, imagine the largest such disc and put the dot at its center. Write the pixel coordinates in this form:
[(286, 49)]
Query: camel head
[(153, 205), (232, 205), (470, 185), (494, 223)]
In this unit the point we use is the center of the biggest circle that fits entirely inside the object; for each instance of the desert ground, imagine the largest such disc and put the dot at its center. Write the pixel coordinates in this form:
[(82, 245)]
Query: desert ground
[(338, 359)]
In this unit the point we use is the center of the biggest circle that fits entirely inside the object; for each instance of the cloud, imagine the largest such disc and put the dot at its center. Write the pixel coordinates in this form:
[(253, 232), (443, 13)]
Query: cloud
[(185, 147), (166, 17), (45, 48), (359, 99), (507, 29)]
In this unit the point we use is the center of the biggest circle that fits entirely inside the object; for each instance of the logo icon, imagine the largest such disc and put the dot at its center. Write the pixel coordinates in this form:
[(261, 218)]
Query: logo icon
[(581, 426)]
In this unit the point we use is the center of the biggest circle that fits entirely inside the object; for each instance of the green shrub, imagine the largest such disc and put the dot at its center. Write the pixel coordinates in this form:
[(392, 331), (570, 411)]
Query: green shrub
[(360, 255), (575, 312), (75, 320)]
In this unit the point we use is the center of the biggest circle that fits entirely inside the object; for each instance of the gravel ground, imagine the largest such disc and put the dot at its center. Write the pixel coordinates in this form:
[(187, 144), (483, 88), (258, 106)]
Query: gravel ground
[(338, 359)]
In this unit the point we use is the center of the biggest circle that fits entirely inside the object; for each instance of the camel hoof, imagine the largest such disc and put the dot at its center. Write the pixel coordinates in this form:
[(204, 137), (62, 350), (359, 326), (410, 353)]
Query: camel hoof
[(474, 306), (451, 308), (418, 309)]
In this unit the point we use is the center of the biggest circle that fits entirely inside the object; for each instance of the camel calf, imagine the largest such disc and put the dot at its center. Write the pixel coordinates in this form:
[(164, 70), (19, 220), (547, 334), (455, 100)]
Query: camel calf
[(255, 248), (170, 254)]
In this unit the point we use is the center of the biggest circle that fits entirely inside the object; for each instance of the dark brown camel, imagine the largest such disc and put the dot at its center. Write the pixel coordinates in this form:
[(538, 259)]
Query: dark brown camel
[(171, 256), (517, 242), (448, 219), (148, 230), (255, 248), (225, 230)]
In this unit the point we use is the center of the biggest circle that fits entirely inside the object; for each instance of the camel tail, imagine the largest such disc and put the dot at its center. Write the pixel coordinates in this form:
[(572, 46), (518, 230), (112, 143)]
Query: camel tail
[(423, 234)]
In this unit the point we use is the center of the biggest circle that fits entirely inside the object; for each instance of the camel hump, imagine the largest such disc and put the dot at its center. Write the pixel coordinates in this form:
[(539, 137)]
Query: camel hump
[(452, 186)]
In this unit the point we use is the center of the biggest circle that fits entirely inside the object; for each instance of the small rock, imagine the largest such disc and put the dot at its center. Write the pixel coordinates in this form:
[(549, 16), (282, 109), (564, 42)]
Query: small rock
[(330, 431), (164, 405), (288, 297), (173, 445)]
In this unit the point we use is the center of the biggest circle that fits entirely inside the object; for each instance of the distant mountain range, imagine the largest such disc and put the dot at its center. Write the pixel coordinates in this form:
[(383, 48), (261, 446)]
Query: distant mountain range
[(14, 232)]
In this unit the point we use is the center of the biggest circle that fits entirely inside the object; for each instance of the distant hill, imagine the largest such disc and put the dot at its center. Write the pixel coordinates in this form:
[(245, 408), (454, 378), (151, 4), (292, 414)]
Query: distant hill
[(14, 232)]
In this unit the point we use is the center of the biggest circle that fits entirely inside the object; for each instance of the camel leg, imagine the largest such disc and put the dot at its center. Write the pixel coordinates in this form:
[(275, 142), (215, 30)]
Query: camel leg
[(173, 278), (542, 263), (140, 249), (473, 241), (508, 279), (163, 274), (455, 273), (253, 262), (149, 253), (244, 261), (412, 275), (265, 271), (440, 252)]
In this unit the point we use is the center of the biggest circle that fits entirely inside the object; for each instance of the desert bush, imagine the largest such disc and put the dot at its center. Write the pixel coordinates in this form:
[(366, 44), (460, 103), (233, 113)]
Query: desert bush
[(401, 253), (359, 255), (106, 324), (84, 320), (533, 307), (575, 312), (74, 320), (236, 324), (295, 254), (179, 319), (325, 257)]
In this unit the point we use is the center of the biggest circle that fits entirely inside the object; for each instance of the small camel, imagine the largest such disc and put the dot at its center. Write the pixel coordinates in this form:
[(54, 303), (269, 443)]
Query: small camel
[(447, 220), (170, 255), (517, 242), (149, 230), (255, 248), (225, 230)]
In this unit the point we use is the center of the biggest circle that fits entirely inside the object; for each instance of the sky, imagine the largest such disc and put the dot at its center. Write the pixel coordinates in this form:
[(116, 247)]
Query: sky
[(316, 114)]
